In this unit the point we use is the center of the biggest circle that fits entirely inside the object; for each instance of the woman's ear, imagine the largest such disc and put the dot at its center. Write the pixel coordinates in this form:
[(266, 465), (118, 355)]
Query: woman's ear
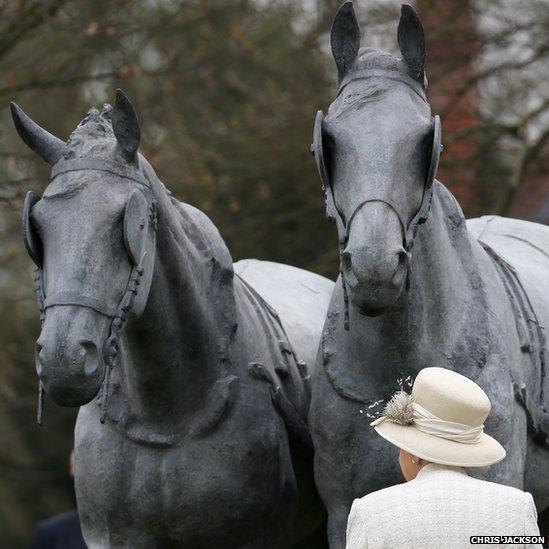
[(410, 465)]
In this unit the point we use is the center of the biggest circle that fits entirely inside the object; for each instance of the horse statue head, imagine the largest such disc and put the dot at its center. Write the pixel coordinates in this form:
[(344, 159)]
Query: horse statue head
[(377, 153), (92, 239)]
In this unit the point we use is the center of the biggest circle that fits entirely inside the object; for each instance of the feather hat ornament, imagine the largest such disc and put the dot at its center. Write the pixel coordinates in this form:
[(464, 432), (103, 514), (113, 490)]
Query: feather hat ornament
[(441, 421), (400, 409)]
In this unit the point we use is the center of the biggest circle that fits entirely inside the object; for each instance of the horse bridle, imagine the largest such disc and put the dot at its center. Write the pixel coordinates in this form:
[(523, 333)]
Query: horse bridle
[(139, 240), (344, 226)]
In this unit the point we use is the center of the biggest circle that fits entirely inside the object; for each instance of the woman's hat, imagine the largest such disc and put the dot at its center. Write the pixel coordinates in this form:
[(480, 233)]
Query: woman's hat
[(442, 421)]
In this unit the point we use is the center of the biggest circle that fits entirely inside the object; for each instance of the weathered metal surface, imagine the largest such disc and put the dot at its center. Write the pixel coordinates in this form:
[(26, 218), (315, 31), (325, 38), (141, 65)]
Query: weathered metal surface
[(378, 146), (147, 329)]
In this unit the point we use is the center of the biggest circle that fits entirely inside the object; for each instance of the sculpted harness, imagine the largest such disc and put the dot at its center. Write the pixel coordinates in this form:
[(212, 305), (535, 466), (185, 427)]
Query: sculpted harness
[(333, 212), (139, 240)]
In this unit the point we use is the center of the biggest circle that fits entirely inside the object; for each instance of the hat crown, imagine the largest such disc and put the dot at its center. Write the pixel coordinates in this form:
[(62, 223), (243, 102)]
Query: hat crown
[(451, 396)]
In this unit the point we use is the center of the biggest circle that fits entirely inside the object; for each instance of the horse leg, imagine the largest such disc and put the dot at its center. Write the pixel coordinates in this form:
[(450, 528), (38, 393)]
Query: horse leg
[(511, 470), (507, 423), (114, 538), (543, 522), (337, 526), (94, 540), (317, 539), (333, 483), (138, 540), (536, 481), (335, 490), (268, 540), (122, 540)]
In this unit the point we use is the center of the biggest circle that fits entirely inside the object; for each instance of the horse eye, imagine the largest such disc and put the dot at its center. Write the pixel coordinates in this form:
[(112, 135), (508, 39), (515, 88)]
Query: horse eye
[(425, 149), (36, 218), (427, 140), (328, 147)]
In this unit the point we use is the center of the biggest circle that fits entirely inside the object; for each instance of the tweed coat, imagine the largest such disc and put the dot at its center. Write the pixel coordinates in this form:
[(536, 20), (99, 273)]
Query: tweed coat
[(441, 508)]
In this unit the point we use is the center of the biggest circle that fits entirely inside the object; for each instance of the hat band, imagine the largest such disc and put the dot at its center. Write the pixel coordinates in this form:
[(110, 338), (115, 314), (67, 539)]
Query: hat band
[(432, 425), (428, 423)]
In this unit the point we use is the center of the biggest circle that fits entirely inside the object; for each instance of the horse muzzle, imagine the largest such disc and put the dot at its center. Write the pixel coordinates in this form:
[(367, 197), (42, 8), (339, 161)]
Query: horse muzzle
[(374, 263), (70, 366), (375, 295)]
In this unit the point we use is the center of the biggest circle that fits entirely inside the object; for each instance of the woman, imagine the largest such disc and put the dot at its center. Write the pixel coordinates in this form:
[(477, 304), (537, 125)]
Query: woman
[(439, 430)]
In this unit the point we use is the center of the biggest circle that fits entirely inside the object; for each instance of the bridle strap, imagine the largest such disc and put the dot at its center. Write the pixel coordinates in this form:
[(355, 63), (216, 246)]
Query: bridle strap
[(380, 73), (110, 350), (68, 298), (408, 232), (332, 209), (118, 315), (101, 165), (39, 291), (347, 225), (419, 218), (81, 300)]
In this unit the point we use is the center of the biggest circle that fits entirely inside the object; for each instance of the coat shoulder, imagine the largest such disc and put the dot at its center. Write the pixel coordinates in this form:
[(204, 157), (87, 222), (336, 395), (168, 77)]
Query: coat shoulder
[(513, 497), (501, 490), (374, 499)]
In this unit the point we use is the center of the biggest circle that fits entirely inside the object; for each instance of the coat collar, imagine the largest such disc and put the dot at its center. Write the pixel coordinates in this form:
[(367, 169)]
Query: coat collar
[(432, 469)]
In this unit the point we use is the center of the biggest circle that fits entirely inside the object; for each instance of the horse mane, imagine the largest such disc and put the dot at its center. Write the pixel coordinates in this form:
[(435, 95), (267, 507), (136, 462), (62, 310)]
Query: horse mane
[(94, 137), (371, 58), (189, 224)]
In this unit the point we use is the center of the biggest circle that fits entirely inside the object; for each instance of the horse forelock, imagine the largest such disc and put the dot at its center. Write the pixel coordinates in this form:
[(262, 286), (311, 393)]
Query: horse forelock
[(94, 135), (370, 58), (94, 139), (385, 67)]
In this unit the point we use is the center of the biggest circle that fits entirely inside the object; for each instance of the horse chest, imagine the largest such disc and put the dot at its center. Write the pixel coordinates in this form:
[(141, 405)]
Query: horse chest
[(242, 471)]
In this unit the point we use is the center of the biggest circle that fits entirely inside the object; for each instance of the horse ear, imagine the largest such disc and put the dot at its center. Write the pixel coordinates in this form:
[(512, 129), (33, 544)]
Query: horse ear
[(126, 125), (411, 40), (43, 143), (345, 38), (31, 239)]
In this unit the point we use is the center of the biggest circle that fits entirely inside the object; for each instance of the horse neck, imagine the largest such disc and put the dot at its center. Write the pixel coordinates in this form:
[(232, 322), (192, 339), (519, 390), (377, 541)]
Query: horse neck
[(434, 321), (445, 277), (175, 351)]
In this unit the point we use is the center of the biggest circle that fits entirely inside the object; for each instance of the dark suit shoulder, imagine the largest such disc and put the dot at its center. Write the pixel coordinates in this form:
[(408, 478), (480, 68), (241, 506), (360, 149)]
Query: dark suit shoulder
[(60, 521), (60, 531)]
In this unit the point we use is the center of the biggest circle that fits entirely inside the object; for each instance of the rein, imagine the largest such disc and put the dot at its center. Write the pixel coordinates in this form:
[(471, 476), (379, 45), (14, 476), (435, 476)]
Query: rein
[(110, 350), (137, 252)]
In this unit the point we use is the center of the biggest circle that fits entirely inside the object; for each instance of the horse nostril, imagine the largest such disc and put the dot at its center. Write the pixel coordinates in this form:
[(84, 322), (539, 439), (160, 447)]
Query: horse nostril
[(89, 356), (347, 268), (402, 256), (37, 350)]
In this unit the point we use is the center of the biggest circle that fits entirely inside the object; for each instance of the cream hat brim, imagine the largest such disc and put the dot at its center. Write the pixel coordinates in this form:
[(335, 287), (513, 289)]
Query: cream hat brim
[(440, 450)]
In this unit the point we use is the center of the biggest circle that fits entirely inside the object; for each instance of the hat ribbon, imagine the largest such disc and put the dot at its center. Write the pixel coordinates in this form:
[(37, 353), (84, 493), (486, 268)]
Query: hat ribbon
[(428, 423)]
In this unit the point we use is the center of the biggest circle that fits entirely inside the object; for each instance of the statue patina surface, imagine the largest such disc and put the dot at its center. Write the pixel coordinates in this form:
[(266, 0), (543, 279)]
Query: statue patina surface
[(192, 375), (419, 286)]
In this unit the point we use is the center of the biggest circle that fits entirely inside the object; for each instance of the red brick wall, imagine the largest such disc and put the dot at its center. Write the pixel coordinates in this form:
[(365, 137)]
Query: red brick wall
[(531, 199), (481, 188), (451, 46)]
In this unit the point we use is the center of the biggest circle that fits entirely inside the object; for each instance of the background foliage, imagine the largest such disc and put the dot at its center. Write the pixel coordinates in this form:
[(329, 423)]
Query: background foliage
[(227, 91)]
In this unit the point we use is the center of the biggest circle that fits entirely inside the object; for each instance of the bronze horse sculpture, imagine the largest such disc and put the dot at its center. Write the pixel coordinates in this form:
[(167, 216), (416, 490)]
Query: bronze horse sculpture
[(192, 375), (419, 285)]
